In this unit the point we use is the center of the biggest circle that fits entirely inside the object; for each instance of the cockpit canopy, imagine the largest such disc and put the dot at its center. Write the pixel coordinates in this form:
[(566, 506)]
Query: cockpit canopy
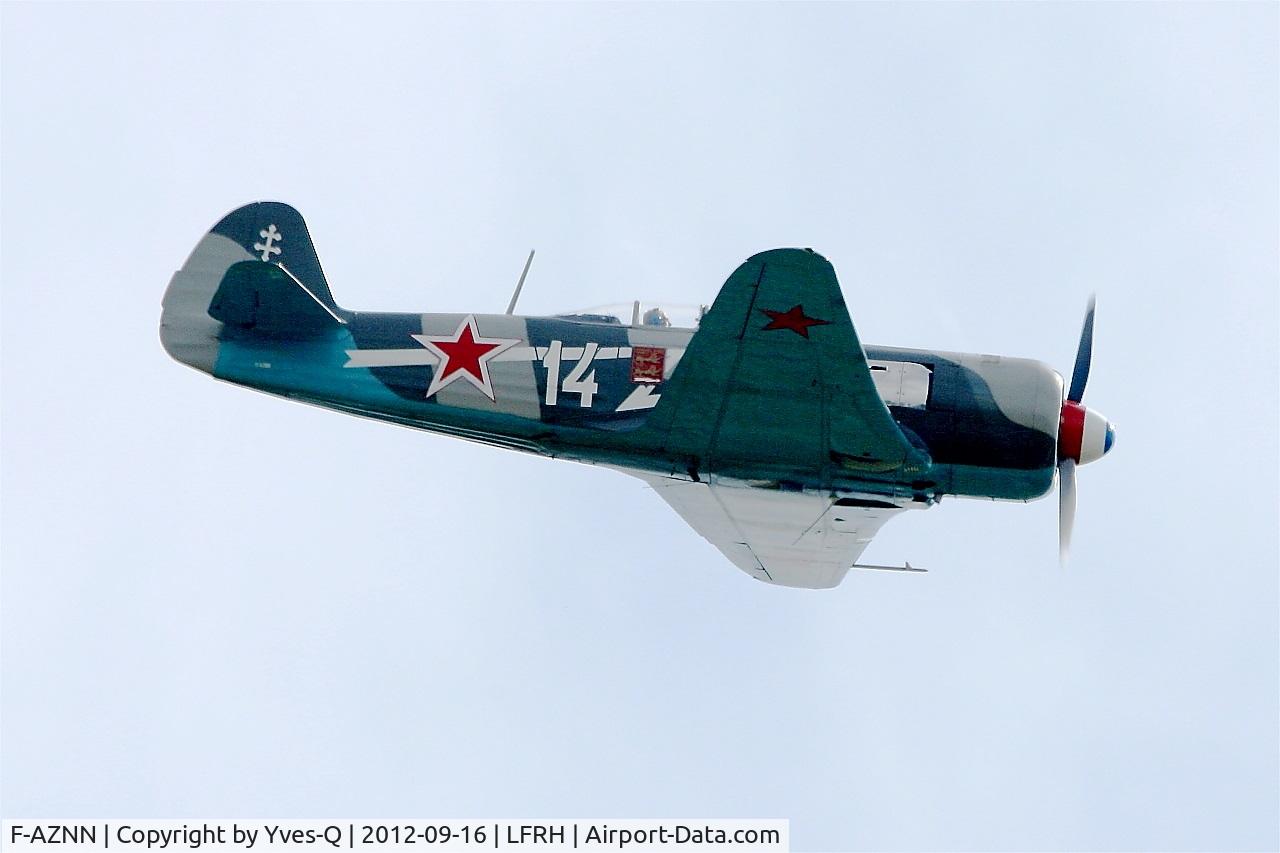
[(665, 315)]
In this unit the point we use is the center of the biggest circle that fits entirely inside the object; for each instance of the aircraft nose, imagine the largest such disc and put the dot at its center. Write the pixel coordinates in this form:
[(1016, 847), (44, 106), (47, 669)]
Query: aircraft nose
[(1084, 434), (1098, 437)]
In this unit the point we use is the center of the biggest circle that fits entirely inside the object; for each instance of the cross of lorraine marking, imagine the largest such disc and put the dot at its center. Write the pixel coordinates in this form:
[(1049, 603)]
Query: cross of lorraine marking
[(268, 248)]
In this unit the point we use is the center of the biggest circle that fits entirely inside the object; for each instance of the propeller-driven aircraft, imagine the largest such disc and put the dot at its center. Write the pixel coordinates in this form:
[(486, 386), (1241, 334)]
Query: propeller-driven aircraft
[(765, 423)]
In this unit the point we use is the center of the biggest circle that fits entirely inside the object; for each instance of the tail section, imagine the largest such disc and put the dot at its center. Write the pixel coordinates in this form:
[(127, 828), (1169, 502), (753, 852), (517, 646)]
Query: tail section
[(255, 271)]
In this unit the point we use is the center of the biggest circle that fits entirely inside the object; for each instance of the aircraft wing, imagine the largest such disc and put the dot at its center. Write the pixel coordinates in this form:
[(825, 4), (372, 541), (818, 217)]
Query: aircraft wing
[(785, 538), (775, 383)]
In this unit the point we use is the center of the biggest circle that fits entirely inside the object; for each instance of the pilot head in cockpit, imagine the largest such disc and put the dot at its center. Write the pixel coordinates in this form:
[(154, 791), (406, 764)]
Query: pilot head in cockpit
[(656, 317)]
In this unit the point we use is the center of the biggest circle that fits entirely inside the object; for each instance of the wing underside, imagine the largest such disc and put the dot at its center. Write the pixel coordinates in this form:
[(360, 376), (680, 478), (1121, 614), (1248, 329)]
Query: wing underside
[(786, 538)]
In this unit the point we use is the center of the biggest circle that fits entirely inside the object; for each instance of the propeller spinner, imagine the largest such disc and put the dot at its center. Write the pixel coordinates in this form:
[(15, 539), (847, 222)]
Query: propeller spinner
[(1084, 435)]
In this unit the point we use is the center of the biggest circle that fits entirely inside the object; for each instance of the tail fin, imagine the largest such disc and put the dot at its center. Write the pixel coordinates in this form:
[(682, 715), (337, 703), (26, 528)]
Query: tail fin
[(256, 270)]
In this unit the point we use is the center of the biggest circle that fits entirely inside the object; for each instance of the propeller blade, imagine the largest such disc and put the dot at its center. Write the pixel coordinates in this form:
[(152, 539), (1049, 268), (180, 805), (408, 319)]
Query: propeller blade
[(1066, 506), (1084, 357)]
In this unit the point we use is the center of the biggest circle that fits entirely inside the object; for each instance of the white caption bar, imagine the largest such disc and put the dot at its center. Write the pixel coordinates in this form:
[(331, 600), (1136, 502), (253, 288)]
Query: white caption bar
[(535, 836)]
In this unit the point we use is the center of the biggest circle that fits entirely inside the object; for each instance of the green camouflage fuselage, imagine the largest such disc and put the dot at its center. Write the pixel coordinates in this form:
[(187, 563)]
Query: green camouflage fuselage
[(588, 388)]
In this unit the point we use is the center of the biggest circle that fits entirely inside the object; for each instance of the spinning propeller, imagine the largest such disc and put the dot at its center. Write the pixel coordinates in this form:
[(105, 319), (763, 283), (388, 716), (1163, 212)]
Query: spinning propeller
[(1083, 436)]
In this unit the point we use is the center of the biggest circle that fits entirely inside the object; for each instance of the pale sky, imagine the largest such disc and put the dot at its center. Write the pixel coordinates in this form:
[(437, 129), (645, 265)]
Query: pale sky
[(217, 603)]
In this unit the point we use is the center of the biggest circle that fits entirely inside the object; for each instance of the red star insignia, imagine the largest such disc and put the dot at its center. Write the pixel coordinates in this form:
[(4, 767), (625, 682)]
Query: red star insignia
[(794, 319), (464, 355)]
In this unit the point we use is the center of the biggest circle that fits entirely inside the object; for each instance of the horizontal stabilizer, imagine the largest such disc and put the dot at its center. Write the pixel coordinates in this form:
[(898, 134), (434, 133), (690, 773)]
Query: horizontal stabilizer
[(268, 300)]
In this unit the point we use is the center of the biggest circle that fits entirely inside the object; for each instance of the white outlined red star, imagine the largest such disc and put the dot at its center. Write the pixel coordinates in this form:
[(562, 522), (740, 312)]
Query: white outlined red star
[(464, 355)]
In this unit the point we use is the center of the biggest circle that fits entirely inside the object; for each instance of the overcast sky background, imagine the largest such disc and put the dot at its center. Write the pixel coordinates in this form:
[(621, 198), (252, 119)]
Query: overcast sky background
[(217, 603)]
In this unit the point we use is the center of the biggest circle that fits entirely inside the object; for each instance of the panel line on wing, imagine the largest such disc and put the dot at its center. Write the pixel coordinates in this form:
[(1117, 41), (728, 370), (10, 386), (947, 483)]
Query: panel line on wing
[(751, 307), (733, 375), (746, 542)]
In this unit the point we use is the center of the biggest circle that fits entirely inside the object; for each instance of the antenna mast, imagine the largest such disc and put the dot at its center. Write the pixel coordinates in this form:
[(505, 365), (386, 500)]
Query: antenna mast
[(519, 284)]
